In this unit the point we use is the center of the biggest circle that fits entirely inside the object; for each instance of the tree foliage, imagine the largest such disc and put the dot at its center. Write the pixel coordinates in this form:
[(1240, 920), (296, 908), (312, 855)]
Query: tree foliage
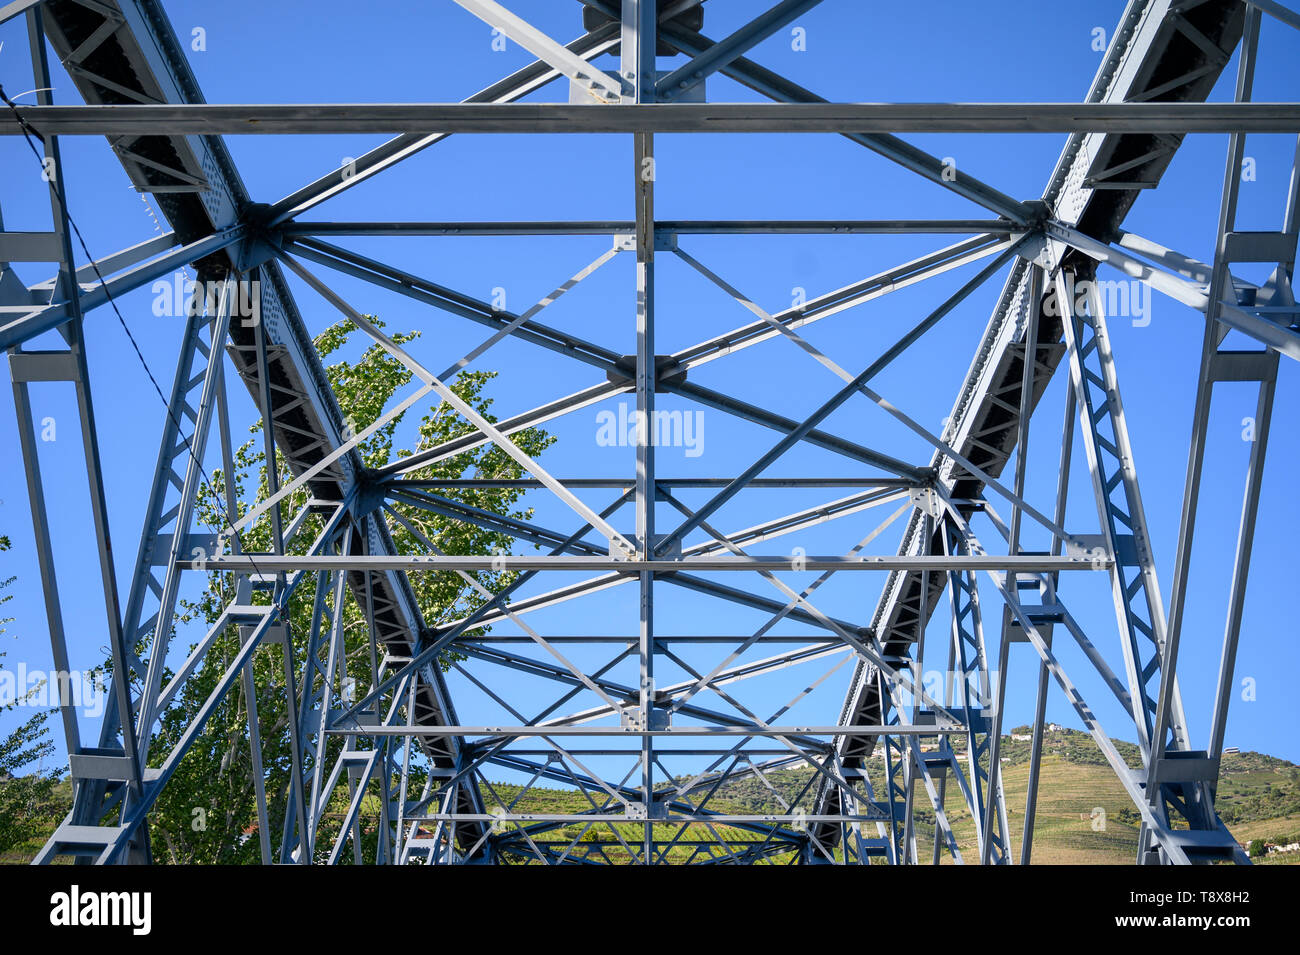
[(28, 805), (207, 813)]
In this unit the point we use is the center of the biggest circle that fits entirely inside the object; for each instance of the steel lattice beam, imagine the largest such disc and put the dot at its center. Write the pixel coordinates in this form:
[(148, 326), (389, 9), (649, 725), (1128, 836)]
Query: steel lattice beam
[(397, 741)]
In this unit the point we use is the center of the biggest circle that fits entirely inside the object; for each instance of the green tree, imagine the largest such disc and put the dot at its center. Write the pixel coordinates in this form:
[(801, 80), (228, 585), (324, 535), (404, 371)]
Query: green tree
[(207, 813), (28, 803)]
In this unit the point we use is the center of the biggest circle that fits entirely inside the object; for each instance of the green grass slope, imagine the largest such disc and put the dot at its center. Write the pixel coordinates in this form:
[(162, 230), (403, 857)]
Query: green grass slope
[(1083, 816)]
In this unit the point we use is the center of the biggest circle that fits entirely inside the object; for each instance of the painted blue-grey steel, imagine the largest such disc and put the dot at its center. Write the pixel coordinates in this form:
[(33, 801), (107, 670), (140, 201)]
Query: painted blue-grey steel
[(398, 738)]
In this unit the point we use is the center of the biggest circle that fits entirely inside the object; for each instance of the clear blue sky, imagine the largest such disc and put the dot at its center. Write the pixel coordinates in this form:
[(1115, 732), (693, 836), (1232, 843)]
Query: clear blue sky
[(945, 51)]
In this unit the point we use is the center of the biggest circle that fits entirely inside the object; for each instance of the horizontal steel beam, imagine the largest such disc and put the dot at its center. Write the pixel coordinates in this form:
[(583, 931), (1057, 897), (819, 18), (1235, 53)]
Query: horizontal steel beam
[(742, 729), (493, 638), (276, 563), (330, 118), (790, 482), (663, 227), (720, 749)]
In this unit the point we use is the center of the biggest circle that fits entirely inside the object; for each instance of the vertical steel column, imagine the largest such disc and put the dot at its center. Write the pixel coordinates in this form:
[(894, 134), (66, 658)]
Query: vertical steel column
[(981, 788), (1197, 797), (1028, 374), (1178, 778), (249, 686), (90, 786), (297, 806), (896, 788), (911, 767), (1220, 365), (1040, 696), (639, 35), (1138, 605), (335, 665)]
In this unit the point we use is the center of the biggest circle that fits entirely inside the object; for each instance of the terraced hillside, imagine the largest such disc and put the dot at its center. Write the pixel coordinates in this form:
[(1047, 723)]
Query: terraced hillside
[(1084, 817)]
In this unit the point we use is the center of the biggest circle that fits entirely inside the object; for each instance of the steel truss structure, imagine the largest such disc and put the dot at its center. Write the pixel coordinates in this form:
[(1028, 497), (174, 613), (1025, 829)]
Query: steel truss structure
[(899, 748)]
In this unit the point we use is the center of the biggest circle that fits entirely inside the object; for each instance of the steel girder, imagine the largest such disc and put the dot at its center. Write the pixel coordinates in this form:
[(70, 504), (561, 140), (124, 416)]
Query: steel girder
[(403, 732), (332, 118)]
